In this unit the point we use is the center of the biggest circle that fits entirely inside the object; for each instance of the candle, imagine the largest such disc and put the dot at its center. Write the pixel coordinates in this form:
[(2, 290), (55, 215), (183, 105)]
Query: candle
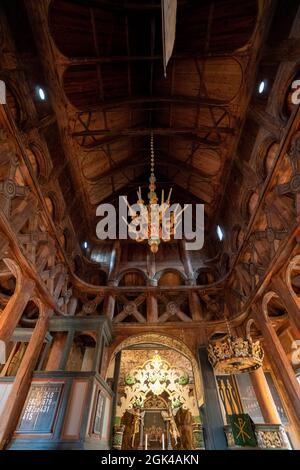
[(146, 441), (163, 441)]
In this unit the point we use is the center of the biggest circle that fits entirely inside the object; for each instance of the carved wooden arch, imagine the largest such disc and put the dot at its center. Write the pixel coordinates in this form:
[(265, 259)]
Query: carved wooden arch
[(223, 331), (43, 164), (248, 326), (16, 272), (244, 204), (260, 161), (234, 241), (43, 313), (208, 270), (294, 263), (132, 271), (171, 343), (266, 299), (159, 274), (69, 242), (57, 208), (90, 333)]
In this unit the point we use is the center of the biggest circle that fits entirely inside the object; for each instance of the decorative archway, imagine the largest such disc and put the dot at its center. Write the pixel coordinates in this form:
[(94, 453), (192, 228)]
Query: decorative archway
[(169, 342), (157, 376)]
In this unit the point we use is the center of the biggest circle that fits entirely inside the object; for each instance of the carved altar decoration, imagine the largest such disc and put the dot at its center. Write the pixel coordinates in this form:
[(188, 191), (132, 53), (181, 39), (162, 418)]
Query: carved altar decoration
[(172, 343), (156, 377), (155, 402), (233, 355), (269, 436)]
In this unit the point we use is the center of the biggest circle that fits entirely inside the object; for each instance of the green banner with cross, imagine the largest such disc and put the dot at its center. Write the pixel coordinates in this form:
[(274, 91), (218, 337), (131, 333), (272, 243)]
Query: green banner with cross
[(243, 430)]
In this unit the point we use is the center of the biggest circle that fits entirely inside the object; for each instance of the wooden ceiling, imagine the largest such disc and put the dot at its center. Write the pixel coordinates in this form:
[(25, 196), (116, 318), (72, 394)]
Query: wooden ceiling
[(107, 56)]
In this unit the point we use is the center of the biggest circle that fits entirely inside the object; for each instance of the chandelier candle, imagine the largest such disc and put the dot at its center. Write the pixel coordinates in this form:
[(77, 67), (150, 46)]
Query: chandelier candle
[(153, 222)]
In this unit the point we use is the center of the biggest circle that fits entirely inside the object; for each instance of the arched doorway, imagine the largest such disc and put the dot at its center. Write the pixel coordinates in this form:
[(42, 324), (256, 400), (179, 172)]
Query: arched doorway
[(159, 393)]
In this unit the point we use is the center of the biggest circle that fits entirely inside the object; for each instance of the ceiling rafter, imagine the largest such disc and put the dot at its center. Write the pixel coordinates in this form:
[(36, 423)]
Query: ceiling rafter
[(135, 161), (145, 131), (176, 99), (136, 183), (66, 62)]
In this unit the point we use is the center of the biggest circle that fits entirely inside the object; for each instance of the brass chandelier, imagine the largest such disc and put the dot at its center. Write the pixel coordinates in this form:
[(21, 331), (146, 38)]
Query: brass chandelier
[(234, 355), (152, 217)]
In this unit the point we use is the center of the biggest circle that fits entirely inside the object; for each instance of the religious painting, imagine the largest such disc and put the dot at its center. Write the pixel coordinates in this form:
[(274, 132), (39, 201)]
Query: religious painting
[(40, 409)]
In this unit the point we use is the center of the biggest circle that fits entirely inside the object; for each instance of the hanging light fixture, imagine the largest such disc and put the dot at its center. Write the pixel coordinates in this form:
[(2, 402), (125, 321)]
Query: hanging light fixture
[(233, 355), (155, 212)]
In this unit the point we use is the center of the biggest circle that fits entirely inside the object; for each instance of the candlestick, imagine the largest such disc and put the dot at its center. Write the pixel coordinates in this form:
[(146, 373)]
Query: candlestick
[(163, 441), (146, 441)]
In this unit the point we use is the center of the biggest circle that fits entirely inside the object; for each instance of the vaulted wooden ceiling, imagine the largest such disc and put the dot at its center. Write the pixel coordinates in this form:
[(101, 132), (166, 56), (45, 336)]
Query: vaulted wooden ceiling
[(107, 56)]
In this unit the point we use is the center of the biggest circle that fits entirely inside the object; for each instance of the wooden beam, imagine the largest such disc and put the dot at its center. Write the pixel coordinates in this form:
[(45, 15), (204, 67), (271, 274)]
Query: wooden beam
[(168, 131), (67, 62), (14, 308), (27, 267), (102, 290), (112, 139), (38, 17), (164, 161), (281, 152), (136, 100), (114, 6)]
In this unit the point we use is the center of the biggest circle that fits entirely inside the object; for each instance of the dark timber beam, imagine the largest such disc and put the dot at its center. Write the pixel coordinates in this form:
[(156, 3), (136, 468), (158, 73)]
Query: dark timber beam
[(168, 131), (162, 161), (111, 140), (185, 100), (66, 62)]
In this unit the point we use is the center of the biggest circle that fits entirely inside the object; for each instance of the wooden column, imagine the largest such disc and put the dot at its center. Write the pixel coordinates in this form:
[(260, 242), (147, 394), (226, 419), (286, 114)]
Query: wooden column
[(110, 298), (292, 308), (115, 384), (195, 307), (10, 415), (14, 308), (72, 305), (114, 260), (67, 350), (109, 305), (264, 397), (56, 351), (280, 363), (97, 363), (211, 411), (151, 266), (152, 309), (186, 261)]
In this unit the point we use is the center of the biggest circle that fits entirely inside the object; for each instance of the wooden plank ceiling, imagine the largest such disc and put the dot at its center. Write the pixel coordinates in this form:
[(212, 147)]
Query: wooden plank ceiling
[(109, 58)]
